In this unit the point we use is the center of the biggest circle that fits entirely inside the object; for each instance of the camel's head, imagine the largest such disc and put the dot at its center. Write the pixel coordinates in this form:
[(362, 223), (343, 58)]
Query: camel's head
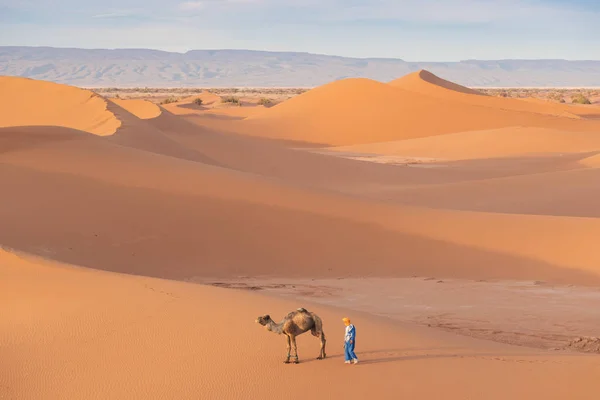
[(263, 319)]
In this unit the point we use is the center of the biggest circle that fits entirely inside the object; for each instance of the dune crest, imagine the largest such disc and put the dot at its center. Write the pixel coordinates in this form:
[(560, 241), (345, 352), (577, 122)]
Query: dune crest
[(207, 98), (593, 161), (142, 109), (425, 82), (26, 102)]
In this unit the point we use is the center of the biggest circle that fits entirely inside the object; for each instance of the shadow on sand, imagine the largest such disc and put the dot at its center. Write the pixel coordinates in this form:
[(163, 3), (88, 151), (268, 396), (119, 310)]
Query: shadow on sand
[(392, 355)]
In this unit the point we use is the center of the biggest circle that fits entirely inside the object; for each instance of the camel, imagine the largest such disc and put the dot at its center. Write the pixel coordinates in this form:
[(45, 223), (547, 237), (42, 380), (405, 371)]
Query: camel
[(294, 324)]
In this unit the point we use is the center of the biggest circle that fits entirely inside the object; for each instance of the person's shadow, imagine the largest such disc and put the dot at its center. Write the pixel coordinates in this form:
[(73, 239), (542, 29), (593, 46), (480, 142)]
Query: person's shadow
[(391, 355)]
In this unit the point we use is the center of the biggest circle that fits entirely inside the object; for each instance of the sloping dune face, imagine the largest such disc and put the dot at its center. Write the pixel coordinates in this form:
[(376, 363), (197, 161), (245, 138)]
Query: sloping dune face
[(122, 209), (593, 161), (25, 102), (140, 108), (495, 143), (158, 188), (356, 111)]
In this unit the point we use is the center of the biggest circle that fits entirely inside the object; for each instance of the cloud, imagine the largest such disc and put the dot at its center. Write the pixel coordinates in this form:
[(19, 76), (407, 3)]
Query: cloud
[(441, 28), (200, 5), (117, 14), (192, 5), (430, 11)]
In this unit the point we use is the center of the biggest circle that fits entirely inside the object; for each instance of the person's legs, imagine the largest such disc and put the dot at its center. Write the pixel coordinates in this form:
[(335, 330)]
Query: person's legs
[(351, 353), (347, 354)]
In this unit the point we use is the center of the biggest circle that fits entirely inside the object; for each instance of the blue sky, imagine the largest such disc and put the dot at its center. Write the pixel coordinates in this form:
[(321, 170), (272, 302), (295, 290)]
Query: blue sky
[(414, 30)]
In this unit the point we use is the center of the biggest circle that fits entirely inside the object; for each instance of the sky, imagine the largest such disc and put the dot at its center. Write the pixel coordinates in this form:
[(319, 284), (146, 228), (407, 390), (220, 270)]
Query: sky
[(413, 30)]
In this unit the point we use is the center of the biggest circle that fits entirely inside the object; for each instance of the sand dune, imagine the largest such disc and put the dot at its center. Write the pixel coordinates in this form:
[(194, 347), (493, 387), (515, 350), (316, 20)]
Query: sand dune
[(495, 143), (181, 194), (427, 83), (63, 337), (424, 82), (164, 206), (593, 161), (207, 98), (188, 107), (238, 112), (572, 193), (142, 135), (140, 108), (28, 102), (273, 159), (357, 111), (193, 198)]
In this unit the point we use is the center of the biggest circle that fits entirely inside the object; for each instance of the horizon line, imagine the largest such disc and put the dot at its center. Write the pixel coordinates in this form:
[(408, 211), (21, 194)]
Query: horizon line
[(291, 52)]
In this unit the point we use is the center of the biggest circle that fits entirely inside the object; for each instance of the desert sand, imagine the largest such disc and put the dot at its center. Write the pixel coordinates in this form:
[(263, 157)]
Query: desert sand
[(25, 102), (513, 312), (116, 213), (424, 82), (140, 108), (495, 143), (76, 333), (359, 111)]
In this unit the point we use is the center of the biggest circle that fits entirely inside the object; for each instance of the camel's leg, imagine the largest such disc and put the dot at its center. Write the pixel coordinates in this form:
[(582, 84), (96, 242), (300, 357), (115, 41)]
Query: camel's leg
[(322, 354), (295, 350), (287, 360)]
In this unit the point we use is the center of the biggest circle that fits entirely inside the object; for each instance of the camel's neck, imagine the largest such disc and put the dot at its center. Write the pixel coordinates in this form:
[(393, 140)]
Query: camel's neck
[(276, 328)]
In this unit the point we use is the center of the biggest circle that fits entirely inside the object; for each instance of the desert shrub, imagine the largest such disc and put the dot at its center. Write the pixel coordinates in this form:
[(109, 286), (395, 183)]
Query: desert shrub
[(198, 101), (503, 93), (232, 100), (170, 100), (580, 99), (557, 97), (265, 102)]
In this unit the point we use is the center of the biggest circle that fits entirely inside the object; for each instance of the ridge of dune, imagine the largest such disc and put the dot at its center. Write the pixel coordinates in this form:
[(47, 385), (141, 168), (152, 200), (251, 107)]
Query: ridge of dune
[(592, 161), (27, 102), (358, 111), (187, 107), (142, 109), (494, 143), (141, 134), (426, 82), (272, 159), (207, 98)]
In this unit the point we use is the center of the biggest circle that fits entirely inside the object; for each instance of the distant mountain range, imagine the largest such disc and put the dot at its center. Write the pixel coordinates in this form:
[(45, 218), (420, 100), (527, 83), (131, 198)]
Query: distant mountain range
[(245, 68)]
